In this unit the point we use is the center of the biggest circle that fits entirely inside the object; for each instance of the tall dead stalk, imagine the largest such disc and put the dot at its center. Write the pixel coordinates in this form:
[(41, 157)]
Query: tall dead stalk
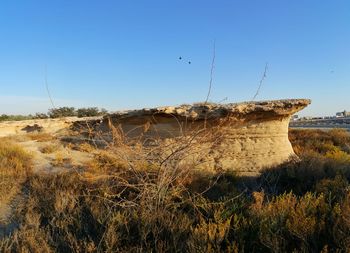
[(48, 90), (211, 72), (263, 77)]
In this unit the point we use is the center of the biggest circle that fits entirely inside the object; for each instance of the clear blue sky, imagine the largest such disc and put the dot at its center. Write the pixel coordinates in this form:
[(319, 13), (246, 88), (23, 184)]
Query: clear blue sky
[(124, 54)]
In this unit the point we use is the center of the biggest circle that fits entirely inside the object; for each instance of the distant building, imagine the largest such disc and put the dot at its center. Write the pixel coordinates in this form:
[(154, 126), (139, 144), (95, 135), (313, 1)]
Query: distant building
[(306, 118), (339, 114), (342, 114), (295, 117)]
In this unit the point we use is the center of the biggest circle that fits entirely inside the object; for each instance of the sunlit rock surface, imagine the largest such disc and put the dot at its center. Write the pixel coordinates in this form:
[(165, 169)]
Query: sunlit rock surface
[(243, 137)]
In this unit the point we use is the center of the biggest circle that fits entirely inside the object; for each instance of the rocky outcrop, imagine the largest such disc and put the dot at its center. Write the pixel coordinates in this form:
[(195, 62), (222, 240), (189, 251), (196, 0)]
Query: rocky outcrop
[(243, 137)]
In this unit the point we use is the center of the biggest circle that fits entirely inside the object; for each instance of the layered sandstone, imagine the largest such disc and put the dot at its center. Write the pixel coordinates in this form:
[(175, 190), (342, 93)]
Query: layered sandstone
[(243, 137)]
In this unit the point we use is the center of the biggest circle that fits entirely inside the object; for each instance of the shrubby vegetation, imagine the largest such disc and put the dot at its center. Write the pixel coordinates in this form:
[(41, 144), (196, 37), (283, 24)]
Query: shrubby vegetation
[(115, 206), (41, 116), (5, 117), (58, 113), (91, 112), (62, 112), (71, 112)]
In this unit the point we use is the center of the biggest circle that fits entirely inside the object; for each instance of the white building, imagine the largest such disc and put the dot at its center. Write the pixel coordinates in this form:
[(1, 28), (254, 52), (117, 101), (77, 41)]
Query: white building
[(342, 114)]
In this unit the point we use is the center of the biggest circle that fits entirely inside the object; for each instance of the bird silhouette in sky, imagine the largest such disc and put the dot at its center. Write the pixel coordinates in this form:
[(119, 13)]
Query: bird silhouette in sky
[(180, 58)]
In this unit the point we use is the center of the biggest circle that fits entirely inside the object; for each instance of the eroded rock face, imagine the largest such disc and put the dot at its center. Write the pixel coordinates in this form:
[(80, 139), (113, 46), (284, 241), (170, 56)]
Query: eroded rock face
[(243, 137)]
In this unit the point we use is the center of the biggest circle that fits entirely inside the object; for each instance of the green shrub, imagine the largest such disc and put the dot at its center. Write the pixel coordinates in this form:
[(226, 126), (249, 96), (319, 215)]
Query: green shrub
[(41, 116), (62, 112), (5, 117), (90, 112), (72, 112)]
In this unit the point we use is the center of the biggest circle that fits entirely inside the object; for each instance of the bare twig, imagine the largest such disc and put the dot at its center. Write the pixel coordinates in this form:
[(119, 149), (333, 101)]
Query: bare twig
[(261, 81), (47, 89), (222, 100), (211, 72)]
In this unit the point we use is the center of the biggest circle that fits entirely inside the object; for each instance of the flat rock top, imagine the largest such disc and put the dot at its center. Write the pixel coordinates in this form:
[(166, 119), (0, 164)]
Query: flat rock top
[(210, 110)]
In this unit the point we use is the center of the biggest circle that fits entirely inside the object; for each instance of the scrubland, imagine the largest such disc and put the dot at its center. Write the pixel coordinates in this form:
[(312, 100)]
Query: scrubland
[(123, 202)]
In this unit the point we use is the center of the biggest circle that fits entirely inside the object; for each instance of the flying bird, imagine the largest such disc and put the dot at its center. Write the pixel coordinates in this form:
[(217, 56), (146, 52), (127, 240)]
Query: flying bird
[(180, 58)]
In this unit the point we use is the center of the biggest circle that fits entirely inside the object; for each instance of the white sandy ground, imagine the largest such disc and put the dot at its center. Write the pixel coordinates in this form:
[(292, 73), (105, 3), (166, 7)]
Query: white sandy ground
[(52, 126), (44, 163)]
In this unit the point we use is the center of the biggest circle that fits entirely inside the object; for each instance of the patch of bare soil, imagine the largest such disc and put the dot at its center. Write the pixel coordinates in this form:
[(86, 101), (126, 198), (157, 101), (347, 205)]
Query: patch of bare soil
[(61, 158)]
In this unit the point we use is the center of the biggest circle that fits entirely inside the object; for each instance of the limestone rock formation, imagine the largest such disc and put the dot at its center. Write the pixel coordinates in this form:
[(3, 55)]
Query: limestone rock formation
[(243, 137)]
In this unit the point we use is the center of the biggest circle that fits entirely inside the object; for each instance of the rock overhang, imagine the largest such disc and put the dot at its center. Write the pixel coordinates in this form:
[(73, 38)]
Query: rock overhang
[(202, 111)]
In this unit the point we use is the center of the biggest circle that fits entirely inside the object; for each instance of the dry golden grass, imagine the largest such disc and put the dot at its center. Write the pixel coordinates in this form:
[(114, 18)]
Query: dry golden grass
[(15, 166), (50, 148), (16, 138), (125, 202), (41, 137), (61, 160), (86, 147)]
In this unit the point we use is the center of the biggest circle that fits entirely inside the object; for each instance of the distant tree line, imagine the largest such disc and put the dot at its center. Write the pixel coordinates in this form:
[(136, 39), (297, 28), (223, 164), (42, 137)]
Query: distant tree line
[(58, 113), (5, 117)]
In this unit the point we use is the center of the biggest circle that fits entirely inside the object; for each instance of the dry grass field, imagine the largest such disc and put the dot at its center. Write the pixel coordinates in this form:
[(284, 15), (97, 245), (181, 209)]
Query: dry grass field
[(116, 200), (15, 168)]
